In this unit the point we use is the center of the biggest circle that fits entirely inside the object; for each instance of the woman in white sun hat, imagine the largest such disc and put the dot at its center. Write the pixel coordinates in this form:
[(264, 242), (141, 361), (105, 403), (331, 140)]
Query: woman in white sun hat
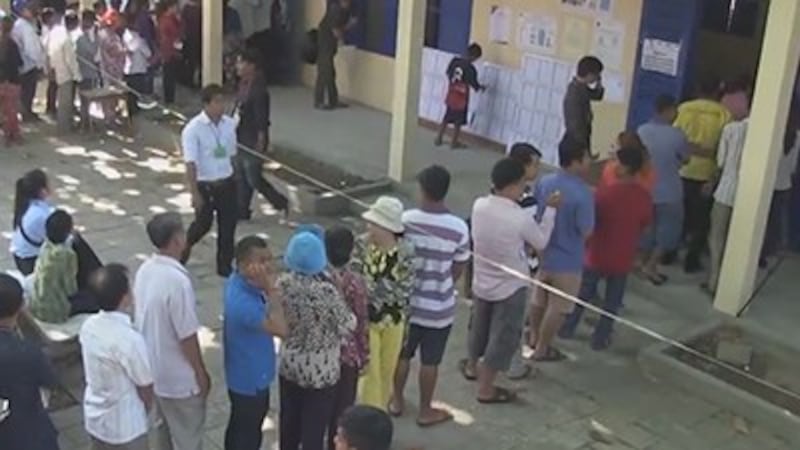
[(386, 260)]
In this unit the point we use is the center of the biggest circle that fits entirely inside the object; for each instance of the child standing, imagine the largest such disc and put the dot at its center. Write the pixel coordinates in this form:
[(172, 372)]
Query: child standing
[(624, 211), (10, 64), (461, 76)]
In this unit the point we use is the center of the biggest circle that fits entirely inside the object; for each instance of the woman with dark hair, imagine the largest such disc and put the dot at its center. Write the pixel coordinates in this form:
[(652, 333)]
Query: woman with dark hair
[(31, 210)]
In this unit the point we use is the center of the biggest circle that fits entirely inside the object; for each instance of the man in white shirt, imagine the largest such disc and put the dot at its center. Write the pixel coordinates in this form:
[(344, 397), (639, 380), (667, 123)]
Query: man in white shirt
[(167, 318), (137, 63), (63, 62), (33, 57), (119, 383), (209, 144)]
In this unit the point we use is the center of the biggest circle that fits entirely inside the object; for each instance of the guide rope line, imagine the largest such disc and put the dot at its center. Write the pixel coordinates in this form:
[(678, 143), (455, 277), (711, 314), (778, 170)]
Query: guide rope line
[(525, 277)]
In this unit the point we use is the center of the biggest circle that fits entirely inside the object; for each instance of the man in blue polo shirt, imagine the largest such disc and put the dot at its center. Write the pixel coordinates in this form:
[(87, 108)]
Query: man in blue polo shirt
[(253, 315)]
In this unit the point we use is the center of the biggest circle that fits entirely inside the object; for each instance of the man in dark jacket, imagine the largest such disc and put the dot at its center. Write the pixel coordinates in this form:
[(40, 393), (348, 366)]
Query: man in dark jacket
[(578, 115), (338, 19)]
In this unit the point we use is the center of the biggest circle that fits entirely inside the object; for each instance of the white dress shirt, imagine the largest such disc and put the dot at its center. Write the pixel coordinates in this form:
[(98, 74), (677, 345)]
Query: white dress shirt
[(210, 146), (138, 53), (30, 46), (787, 166), (61, 56), (729, 158), (115, 363), (166, 314)]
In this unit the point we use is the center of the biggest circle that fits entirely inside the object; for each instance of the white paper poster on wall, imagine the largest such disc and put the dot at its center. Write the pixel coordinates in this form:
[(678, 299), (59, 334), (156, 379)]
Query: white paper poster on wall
[(538, 33), (500, 24), (661, 56), (609, 42), (592, 7), (615, 85)]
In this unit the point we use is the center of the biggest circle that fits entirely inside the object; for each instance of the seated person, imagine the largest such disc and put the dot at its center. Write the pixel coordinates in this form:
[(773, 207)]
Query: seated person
[(55, 295), (364, 428)]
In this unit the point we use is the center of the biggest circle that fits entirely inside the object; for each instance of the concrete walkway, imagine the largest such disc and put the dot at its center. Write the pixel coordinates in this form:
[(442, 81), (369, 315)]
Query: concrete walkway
[(113, 185)]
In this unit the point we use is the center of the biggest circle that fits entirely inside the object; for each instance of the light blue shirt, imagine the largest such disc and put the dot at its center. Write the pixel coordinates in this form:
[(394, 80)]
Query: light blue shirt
[(33, 222), (668, 148), (574, 221), (210, 146)]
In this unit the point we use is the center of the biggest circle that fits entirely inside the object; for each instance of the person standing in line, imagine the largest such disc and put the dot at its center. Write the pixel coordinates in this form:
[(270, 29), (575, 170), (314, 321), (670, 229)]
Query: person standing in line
[(63, 62), (578, 116), (498, 309), (669, 150), (26, 372), (339, 242), (166, 315), (337, 21), (112, 58), (10, 65), (34, 58), (253, 108), (441, 246), (461, 77), (119, 381), (562, 259), (624, 211), (702, 120), (192, 51), (736, 97), (386, 259), (137, 64), (87, 51), (209, 145), (318, 320), (170, 45), (253, 318)]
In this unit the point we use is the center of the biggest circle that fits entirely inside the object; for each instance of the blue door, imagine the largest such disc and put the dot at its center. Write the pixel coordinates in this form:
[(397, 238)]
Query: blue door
[(673, 21), (455, 24)]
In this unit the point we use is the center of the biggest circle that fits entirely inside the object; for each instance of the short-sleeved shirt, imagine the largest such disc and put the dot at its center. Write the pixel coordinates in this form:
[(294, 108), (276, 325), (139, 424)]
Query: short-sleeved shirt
[(166, 314), (462, 72), (729, 158), (668, 148), (24, 372), (624, 210), (249, 350), (574, 221), (440, 239), (210, 146), (115, 363), (30, 235), (702, 120)]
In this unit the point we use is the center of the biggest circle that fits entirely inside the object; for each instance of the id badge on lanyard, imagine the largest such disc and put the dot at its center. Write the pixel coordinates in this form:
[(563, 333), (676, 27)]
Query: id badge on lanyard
[(220, 151)]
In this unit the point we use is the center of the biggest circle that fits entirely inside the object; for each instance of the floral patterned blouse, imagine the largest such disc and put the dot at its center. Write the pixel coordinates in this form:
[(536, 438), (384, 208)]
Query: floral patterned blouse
[(112, 56), (390, 276), (355, 348), (318, 320)]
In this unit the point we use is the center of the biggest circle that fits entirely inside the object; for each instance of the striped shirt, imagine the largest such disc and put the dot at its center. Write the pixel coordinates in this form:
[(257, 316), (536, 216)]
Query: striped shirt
[(729, 158), (440, 240)]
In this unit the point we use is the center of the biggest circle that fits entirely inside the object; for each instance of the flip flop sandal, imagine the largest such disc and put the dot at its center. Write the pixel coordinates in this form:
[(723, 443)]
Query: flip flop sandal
[(462, 367), (501, 395), (443, 418), (526, 372), (553, 355)]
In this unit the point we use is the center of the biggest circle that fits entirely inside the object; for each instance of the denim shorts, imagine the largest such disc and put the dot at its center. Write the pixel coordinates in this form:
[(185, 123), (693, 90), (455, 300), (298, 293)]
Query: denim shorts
[(667, 227)]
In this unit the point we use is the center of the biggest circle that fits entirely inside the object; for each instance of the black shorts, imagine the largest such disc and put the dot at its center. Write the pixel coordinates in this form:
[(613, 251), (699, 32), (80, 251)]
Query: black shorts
[(431, 342), (455, 117)]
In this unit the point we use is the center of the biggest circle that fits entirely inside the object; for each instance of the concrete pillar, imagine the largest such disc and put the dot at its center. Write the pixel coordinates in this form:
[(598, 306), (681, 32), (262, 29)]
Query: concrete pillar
[(212, 42), (763, 147), (5, 5), (407, 62)]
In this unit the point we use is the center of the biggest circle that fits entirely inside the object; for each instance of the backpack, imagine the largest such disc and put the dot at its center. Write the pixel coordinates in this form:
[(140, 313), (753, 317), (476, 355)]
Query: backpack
[(310, 47)]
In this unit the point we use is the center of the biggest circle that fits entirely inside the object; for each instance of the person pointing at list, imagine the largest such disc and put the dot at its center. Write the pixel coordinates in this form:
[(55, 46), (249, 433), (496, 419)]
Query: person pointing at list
[(209, 144)]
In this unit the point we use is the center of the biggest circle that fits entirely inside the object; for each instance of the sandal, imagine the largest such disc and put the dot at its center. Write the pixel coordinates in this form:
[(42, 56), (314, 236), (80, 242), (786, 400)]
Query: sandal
[(553, 355), (526, 372), (462, 367), (443, 416), (501, 395), (392, 409)]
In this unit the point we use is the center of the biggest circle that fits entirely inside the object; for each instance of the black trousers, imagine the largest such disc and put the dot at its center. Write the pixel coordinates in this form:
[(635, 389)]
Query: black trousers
[(219, 199), (304, 416), (172, 69), (28, 82), (250, 178), (697, 219), (244, 424), (326, 78), (345, 397), (138, 85), (52, 93)]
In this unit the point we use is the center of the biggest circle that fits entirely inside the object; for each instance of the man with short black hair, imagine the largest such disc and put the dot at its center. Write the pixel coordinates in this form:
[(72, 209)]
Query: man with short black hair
[(166, 315), (25, 372), (209, 144), (562, 259), (364, 428), (116, 364), (580, 94), (253, 109), (501, 230), (441, 241)]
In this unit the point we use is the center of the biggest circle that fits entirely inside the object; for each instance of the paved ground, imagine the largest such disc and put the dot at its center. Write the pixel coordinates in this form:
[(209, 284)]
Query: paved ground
[(112, 184)]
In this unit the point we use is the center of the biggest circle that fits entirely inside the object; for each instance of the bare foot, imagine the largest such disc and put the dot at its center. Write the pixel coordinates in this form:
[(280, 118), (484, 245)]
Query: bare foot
[(396, 406), (433, 416)]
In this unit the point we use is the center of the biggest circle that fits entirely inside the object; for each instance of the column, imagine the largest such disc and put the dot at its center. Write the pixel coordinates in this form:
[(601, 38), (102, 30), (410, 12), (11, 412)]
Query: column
[(763, 147), (212, 42), (407, 62), (5, 5)]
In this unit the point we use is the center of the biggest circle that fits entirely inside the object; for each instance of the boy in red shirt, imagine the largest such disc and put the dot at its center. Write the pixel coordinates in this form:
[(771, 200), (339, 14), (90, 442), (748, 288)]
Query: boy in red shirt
[(461, 77), (624, 210)]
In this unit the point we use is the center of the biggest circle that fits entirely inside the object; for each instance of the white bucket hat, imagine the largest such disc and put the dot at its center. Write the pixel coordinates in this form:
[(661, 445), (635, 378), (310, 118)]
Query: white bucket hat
[(386, 212)]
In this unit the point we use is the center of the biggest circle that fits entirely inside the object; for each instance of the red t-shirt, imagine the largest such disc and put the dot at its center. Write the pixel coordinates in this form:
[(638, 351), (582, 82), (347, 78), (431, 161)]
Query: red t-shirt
[(624, 210)]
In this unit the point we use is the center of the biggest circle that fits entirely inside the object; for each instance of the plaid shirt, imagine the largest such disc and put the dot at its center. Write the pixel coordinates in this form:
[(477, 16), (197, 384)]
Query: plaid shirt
[(55, 281)]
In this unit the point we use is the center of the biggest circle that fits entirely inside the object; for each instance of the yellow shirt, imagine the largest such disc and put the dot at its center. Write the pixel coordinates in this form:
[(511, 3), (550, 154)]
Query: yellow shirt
[(702, 121)]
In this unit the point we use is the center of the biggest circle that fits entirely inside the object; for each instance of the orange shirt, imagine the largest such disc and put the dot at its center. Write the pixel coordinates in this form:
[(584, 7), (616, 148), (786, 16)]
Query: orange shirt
[(646, 178)]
